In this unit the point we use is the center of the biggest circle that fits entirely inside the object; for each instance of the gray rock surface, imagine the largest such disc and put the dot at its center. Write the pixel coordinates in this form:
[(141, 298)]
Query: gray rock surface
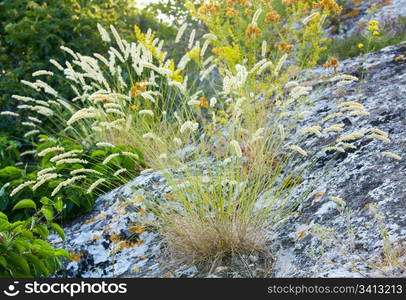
[(111, 242)]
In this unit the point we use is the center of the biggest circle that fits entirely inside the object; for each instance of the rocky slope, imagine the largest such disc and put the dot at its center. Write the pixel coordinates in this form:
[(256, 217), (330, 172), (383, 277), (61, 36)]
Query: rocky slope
[(112, 242)]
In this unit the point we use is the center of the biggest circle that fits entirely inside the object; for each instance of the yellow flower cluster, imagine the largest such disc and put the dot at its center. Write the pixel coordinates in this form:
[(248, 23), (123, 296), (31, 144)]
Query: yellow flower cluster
[(373, 27)]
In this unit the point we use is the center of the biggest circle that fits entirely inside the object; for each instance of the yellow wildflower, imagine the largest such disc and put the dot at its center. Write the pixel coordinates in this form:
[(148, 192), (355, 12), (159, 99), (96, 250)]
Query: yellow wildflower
[(360, 45)]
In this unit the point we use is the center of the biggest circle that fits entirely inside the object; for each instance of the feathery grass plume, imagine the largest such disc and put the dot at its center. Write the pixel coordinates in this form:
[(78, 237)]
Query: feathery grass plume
[(95, 185), (192, 38), (44, 178), (298, 149), (334, 127), (348, 145), (344, 77), (130, 154), (258, 135), (338, 200), (311, 129), (189, 126), (30, 84), (68, 154), (23, 98), (146, 112), (180, 33), (391, 155), (257, 13), (56, 64), (103, 33), (237, 148), (378, 131), (36, 120), (358, 113), (84, 113), (109, 158), (266, 65), (32, 132), (71, 161), (344, 82), (309, 18), (42, 73), (29, 124), (29, 152), (69, 51), (67, 182), (105, 144), (280, 63), (45, 171), (146, 171), (83, 170), (204, 48), (379, 137), (299, 91), (50, 150), (118, 172), (350, 137), (264, 48), (21, 187), (9, 113)]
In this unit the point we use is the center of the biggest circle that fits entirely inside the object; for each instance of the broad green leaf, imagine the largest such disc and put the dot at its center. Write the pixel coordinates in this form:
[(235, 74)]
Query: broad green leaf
[(26, 203), (58, 230), (48, 213)]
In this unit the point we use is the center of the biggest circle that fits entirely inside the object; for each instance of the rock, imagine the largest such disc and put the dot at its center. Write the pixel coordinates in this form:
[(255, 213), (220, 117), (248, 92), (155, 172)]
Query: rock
[(112, 242), (362, 178)]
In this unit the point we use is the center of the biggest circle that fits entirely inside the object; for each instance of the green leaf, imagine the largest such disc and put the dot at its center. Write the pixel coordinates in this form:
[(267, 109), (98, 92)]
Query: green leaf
[(18, 261), (42, 230), (3, 261), (38, 264), (58, 230), (3, 216), (48, 213), (26, 203)]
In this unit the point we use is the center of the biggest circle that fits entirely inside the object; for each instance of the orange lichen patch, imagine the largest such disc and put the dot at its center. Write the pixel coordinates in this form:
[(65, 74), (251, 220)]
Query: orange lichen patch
[(357, 2), (138, 229), (301, 235), (136, 200), (340, 92), (352, 13), (318, 195), (126, 244), (115, 238), (169, 197), (74, 256), (142, 211), (95, 237), (168, 275), (399, 58), (382, 4), (102, 216)]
